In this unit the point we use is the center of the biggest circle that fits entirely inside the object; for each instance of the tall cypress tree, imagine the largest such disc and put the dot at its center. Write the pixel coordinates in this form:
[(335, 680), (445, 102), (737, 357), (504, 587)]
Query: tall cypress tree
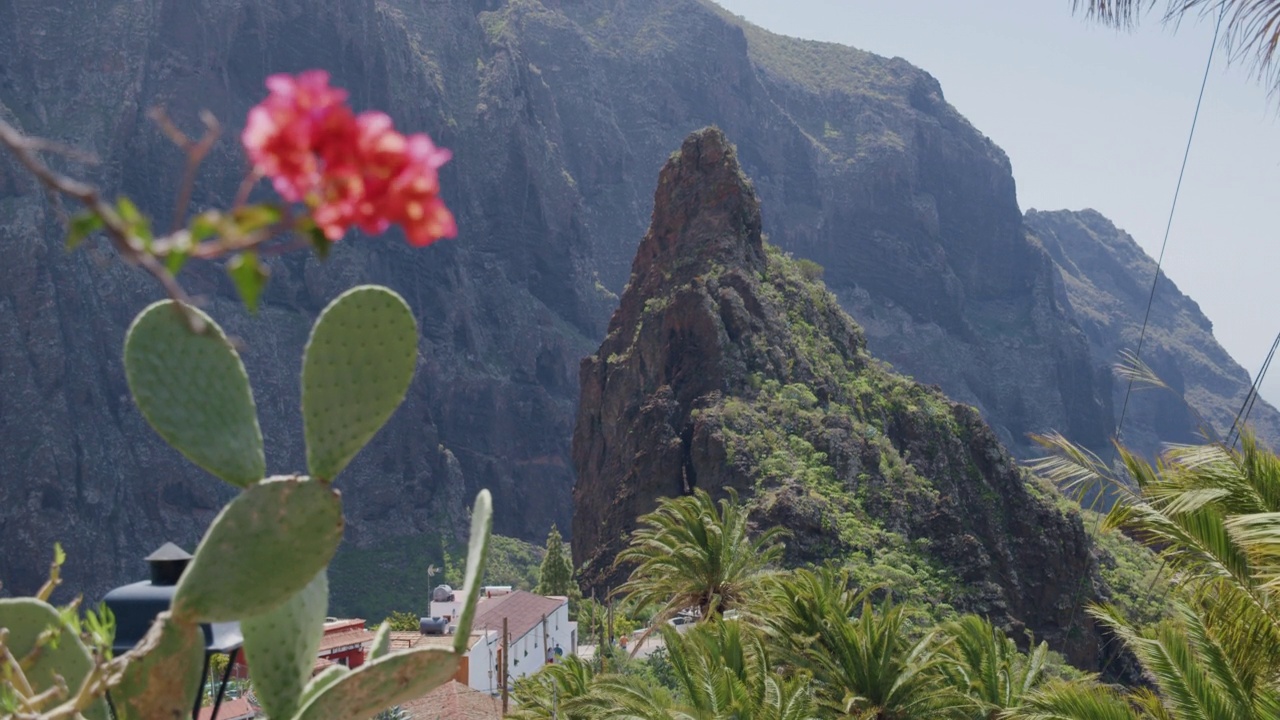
[(555, 577)]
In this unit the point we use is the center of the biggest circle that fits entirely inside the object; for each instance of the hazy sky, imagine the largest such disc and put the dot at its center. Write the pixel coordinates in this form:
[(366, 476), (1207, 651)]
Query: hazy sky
[(1092, 117)]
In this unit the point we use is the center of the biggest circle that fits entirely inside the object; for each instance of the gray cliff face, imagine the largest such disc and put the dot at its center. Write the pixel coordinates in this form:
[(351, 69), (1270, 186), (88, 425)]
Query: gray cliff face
[(1107, 280), (866, 170), (558, 114), (505, 311)]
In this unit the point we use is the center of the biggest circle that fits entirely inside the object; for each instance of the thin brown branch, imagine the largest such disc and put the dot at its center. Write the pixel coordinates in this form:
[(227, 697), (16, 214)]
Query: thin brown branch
[(246, 187), (196, 151), (16, 674), (101, 678), (122, 237)]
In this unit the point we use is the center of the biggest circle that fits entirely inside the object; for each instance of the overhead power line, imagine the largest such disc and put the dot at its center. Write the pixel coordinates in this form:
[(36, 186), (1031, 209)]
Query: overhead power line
[(1186, 153), (1251, 397)]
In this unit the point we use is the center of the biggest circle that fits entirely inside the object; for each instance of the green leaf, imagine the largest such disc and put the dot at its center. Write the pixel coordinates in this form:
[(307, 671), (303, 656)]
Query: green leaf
[(319, 241), (381, 684), (355, 372), (163, 674), (137, 222), (256, 217), (194, 391), (265, 546), (81, 226), (281, 646), (477, 555), (249, 276), (205, 225)]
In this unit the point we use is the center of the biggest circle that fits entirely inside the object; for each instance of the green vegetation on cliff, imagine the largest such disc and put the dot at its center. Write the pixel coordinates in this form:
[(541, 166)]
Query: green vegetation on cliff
[(730, 367)]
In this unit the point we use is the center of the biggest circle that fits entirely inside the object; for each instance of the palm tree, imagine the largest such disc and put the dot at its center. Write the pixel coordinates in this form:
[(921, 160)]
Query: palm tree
[(985, 666), (1252, 26), (861, 657), (722, 672), (557, 691), (691, 553), (1213, 515)]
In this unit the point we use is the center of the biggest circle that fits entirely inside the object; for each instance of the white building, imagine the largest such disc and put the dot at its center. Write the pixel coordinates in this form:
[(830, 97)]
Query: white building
[(538, 628)]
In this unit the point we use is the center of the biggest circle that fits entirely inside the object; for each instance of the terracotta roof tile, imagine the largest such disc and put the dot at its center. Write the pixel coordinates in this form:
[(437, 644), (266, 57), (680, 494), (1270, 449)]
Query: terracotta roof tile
[(342, 639), (454, 701)]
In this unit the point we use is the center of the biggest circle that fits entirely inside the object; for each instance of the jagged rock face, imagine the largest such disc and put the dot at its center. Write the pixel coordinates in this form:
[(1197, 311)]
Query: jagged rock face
[(1107, 280), (558, 115), (866, 170), (725, 367), (506, 311)]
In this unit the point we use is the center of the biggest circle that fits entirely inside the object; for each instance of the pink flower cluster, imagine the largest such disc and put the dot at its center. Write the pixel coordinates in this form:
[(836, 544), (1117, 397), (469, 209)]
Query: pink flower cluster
[(352, 170)]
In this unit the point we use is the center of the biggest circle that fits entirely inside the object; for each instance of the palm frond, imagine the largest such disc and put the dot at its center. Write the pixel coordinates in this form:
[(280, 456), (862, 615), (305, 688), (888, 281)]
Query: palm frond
[(1252, 27), (1080, 700)]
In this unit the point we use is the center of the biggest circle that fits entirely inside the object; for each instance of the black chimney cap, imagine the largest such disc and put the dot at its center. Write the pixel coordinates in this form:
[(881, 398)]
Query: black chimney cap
[(136, 605), (168, 552)]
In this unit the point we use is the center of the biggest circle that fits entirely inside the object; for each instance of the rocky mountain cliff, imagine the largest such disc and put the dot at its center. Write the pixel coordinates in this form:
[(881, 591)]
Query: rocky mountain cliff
[(558, 114), (1107, 278), (728, 365)]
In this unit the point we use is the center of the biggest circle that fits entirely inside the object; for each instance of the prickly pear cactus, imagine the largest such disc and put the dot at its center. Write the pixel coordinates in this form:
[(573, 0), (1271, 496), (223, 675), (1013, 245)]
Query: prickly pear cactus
[(281, 646), (162, 676), (48, 649), (194, 391), (355, 372), (263, 547), (378, 685), (381, 641), (477, 556), (263, 560)]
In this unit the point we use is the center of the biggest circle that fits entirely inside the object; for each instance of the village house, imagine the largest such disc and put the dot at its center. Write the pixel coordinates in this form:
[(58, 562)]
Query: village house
[(538, 628), (346, 641)]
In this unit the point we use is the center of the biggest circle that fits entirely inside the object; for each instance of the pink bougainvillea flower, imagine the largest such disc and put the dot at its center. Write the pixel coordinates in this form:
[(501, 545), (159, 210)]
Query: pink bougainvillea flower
[(414, 195), (351, 170), (282, 132)]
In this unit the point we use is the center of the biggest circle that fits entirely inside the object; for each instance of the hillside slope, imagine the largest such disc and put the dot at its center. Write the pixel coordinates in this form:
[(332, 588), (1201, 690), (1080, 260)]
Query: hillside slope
[(558, 115), (726, 367)]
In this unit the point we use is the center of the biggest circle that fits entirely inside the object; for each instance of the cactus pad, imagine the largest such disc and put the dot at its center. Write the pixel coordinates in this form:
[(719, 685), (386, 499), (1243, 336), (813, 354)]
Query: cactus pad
[(381, 641), (27, 619), (194, 391), (378, 685), (163, 674), (327, 677), (281, 646), (263, 547), (355, 372), (477, 553)]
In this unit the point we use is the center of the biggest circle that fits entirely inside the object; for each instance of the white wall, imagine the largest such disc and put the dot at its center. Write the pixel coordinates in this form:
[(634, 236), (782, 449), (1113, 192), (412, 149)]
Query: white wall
[(483, 655)]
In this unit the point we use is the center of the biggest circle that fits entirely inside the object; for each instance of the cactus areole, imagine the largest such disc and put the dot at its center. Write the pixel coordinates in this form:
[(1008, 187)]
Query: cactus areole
[(136, 605)]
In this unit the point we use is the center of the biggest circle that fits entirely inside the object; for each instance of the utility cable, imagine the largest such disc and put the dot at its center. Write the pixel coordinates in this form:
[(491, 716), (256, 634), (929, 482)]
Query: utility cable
[(1251, 397), (1186, 153), (1142, 335)]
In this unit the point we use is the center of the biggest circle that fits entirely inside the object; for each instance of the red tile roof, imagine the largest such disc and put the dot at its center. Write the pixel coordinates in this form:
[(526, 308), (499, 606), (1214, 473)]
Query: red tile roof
[(342, 639), (523, 610), (236, 709), (454, 701)]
